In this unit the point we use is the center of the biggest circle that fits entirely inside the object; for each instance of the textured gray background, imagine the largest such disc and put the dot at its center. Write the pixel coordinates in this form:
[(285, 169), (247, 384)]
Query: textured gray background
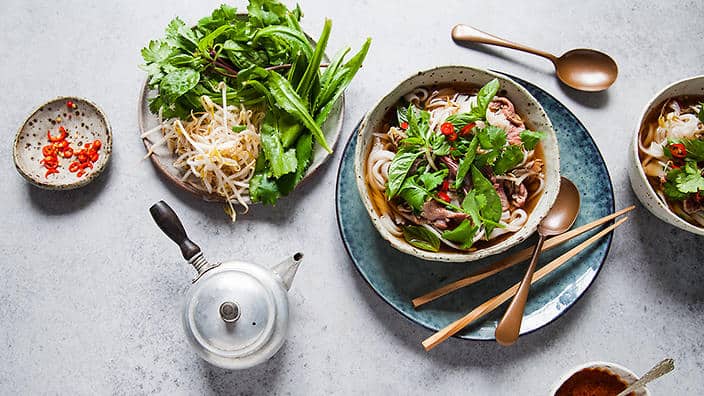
[(90, 290)]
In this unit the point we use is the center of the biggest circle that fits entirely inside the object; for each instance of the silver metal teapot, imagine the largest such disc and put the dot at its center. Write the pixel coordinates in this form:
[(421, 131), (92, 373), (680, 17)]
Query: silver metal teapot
[(236, 314)]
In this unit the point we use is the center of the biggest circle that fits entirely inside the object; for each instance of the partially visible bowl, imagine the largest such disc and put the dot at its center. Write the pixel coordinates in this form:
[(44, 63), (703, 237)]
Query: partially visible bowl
[(526, 105), (84, 124), (623, 373), (644, 191)]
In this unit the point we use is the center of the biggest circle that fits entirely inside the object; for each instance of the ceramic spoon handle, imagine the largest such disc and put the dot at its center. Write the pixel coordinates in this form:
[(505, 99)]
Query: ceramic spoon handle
[(166, 219)]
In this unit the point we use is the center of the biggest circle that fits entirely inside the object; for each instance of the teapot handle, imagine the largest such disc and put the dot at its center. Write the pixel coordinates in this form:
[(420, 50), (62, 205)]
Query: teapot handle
[(168, 221)]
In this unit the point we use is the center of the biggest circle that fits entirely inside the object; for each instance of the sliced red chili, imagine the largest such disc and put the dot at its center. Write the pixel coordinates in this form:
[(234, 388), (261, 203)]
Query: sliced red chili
[(80, 173), (48, 150), (452, 137), (93, 156), (443, 196), (467, 129), (447, 128), (97, 144), (75, 166), (86, 165), (445, 185), (61, 145), (69, 104), (404, 125), (62, 135), (82, 157), (68, 152), (678, 150), (51, 171)]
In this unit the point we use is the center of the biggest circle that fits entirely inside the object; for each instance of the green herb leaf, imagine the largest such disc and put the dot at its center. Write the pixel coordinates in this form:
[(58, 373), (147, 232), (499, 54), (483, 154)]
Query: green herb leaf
[(691, 180), (477, 112), (421, 238), (287, 98), (304, 154), (262, 189), (293, 38), (471, 205), (431, 180), (531, 139), (402, 162), (266, 12), (701, 112), (492, 209), (509, 159), (177, 83), (492, 137), (694, 147), (462, 234), (282, 162), (466, 162), (304, 87), (413, 193)]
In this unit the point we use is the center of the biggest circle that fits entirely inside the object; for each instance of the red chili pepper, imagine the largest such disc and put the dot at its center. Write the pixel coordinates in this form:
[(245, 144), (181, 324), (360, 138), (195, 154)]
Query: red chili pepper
[(82, 157), (443, 196), (88, 146), (699, 197), (75, 166), (48, 150), (62, 145), (445, 185), (62, 135), (97, 144), (452, 137), (50, 163), (80, 173), (69, 104), (452, 149), (86, 165), (447, 128), (51, 171), (93, 156), (404, 125), (467, 129), (68, 152), (678, 150)]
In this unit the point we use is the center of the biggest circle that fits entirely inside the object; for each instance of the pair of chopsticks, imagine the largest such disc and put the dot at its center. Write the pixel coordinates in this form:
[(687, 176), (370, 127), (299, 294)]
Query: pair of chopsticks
[(521, 256)]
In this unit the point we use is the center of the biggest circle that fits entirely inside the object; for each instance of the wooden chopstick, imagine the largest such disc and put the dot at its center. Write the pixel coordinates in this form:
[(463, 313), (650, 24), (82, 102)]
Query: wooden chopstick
[(490, 305), (512, 260)]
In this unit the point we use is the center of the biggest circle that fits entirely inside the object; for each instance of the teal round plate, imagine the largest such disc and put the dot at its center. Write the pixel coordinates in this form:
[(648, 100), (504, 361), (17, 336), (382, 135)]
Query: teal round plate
[(397, 278)]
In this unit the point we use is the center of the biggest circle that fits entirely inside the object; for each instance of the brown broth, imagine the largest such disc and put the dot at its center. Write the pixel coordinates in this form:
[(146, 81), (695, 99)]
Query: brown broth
[(592, 382), (389, 120)]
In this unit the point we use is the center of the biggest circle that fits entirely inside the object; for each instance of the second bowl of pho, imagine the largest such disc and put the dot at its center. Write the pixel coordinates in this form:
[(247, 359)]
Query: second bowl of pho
[(456, 164)]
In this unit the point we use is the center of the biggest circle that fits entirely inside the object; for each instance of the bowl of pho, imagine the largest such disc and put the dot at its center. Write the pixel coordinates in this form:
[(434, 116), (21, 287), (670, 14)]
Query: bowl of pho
[(456, 164), (667, 155)]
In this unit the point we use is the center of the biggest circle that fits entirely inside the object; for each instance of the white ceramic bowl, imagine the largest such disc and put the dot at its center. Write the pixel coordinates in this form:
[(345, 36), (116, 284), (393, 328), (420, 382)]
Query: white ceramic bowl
[(625, 374), (526, 105), (644, 191)]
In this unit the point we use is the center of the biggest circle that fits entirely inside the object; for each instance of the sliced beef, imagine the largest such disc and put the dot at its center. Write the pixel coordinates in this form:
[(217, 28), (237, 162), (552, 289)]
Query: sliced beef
[(489, 173), (452, 166), (439, 216), (503, 105), (518, 194), (691, 205)]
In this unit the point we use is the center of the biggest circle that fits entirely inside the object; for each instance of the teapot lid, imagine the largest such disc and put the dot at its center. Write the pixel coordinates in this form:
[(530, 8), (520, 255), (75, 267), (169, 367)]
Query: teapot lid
[(236, 314)]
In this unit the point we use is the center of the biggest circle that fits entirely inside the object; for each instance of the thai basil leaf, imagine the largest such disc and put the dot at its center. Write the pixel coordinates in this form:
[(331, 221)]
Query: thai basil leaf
[(460, 120), (531, 139), (287, 98), (439, 144), (413, 193), (509, 159), (492, 209), (463, 234), (466, 162), (398, 170), (401, 115), (478, 111), (421, 238), (471, 205)]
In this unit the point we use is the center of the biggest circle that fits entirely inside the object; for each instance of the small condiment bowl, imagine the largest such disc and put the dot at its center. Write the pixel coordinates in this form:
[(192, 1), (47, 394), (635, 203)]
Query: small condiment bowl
[(527, 106), (641, 186), (85, 123), (623, 373)]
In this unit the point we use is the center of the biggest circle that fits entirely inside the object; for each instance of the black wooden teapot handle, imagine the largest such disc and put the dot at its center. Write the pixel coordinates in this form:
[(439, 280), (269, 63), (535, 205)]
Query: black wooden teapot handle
[(168, 221)]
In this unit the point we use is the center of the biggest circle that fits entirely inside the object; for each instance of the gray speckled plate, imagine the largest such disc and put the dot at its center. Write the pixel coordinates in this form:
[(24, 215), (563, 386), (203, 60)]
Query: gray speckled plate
[(398, 277)]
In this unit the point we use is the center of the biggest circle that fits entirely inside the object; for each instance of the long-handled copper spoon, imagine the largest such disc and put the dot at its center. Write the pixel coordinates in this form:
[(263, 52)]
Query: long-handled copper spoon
[(583, 69), (558, 220)]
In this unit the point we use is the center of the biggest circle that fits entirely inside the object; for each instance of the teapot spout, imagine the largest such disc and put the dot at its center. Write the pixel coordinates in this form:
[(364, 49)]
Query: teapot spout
[(287, 269)]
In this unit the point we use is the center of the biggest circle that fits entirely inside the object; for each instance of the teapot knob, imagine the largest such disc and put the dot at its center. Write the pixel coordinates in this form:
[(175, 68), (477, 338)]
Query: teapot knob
[(229, 312)]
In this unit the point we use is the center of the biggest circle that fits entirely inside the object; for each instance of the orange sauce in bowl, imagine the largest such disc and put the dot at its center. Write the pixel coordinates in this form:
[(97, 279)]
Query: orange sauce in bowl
[(592, 382)]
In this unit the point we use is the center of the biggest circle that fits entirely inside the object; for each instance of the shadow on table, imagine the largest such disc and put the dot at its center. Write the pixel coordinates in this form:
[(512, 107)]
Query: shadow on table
[(458, 352), (673, 263), (594, 100), (260, 379), (489, 50), (68, 201)]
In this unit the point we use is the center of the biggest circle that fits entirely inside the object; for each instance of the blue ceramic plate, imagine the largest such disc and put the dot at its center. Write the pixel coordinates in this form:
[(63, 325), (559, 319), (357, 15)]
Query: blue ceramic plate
[(398, 278)]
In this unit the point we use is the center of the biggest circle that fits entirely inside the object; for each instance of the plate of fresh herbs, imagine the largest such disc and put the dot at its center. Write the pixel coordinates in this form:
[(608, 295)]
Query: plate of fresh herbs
[(240, 108)]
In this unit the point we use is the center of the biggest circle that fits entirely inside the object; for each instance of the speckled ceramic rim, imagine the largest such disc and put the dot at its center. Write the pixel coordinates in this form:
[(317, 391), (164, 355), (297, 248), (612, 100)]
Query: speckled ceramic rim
[(609, 240), (610, 367), (673, 218), (546, 200), (106, 150)]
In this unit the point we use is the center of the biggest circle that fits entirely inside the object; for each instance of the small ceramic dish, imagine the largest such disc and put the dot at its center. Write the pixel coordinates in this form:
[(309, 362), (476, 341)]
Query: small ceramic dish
[(619, 371), (528, 108), (84, 123), (644, 191)]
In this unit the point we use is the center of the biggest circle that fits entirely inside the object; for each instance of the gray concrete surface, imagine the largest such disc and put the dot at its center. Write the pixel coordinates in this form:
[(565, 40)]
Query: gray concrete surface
[(90, 290)]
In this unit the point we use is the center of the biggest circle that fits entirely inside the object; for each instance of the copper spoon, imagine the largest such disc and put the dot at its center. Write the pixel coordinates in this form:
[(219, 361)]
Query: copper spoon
[(583, 69), (558, 220)]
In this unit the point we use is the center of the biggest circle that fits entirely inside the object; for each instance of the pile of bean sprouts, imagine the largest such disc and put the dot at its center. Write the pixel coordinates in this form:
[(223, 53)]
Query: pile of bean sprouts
[(210, 153)]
